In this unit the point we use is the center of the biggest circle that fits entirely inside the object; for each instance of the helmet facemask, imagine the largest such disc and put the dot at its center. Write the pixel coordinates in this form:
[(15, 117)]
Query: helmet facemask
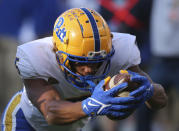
[(80, 81)]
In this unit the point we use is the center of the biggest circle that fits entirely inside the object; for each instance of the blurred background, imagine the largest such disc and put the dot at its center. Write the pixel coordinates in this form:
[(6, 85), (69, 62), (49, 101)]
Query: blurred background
[(154, 22)]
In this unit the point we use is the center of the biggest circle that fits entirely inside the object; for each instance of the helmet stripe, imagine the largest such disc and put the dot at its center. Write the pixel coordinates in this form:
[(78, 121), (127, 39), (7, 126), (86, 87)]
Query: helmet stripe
[(94, 28)]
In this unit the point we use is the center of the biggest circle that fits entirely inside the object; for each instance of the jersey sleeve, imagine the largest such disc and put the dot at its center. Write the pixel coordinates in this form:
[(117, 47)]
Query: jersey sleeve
[(134, 56), (126, 54), (23, 65)]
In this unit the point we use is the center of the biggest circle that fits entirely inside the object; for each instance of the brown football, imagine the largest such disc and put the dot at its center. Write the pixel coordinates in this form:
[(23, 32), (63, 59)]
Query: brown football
[(123, 76)]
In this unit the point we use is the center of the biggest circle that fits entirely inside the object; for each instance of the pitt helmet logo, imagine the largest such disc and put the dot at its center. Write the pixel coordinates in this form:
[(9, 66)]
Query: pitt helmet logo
[(60, 32)]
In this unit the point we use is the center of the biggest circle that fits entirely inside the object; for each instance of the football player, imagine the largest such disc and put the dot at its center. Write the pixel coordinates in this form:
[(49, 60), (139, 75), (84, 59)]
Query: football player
[(64, 75)]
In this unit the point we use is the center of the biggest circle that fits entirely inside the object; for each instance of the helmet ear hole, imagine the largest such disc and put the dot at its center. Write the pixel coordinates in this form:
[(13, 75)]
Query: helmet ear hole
[(111, 35), (61, 59), (54, 47)]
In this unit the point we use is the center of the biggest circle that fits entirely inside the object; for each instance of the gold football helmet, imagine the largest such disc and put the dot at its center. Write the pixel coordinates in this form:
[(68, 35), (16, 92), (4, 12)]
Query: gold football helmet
[(82, 35)]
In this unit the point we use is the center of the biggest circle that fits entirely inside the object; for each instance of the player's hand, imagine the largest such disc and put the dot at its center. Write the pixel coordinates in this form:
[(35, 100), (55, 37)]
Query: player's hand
[(145, 91), (105, 103)]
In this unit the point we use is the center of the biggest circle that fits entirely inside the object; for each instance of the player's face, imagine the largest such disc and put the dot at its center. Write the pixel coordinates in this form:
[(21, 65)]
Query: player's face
[(87, 69)]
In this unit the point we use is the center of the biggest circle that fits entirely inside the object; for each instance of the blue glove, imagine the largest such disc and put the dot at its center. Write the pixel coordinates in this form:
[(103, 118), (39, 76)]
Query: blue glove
[(105, 103), (146, 89)]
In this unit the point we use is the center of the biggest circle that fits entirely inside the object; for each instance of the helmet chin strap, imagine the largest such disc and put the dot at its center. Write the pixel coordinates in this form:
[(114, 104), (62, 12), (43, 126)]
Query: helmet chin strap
[(79, 85)]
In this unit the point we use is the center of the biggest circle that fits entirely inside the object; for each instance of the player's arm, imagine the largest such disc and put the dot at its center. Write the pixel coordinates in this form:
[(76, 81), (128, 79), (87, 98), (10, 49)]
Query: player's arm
[(47, 100), (159, 98)]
